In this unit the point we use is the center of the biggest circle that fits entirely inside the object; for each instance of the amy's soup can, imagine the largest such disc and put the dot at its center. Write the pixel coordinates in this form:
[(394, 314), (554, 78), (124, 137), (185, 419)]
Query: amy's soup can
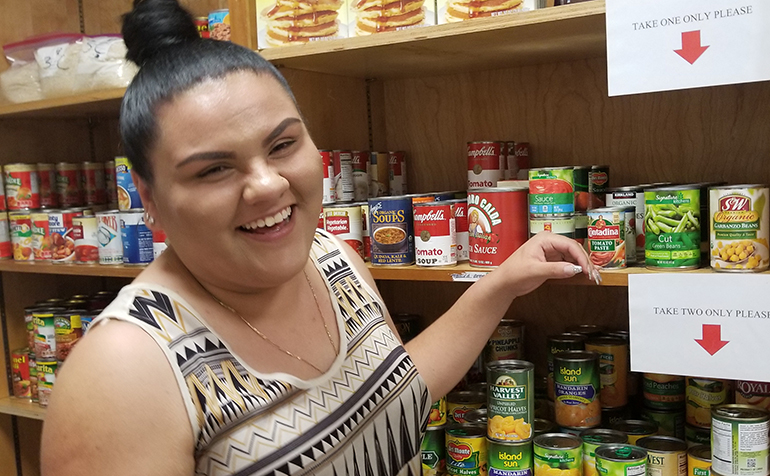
[(509, 458), (593, 438), (551, 192), (606, 243), (621, 460), (672, 219), (636, 429), (390, 224), (433, 452), (664, 392), (739, 440), (466, 450), (510, 400), (108, 235), (461, 402), (558, 452), (345, 222), (740, 217), (703, 394), (497, 224), (577, 388), (506, 342), (22, 186), (128, 196), (484, 164), (699, 461), (613, 369), (435, 237), (558, 343)]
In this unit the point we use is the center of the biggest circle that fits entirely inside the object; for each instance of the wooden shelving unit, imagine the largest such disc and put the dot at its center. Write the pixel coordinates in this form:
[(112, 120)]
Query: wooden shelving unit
[(95, 103), (22, 408)]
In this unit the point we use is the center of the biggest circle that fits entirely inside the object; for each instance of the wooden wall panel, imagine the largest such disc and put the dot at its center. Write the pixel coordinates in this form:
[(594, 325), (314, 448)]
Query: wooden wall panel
[(7, 450), (44, 140), (30, 432), (562, 110)]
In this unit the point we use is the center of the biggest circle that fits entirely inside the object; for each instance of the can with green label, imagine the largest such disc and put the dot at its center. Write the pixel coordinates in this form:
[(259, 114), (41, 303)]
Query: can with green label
[(670, 422), (739, 440), (577, 387), (551, 192), (433, 452), (664, 392), (510, 402), (466, 450), (672, 227), (593, 438), (621, 460), (699, 461), (695, 435), (509, 459), (558, 343), (558, 451)]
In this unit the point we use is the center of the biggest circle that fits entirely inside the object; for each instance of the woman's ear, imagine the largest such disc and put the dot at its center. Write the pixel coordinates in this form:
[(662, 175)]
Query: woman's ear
[(152, 218)]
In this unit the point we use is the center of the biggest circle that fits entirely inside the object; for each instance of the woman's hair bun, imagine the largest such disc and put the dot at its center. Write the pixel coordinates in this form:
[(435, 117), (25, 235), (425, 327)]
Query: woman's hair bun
[(154, 25)]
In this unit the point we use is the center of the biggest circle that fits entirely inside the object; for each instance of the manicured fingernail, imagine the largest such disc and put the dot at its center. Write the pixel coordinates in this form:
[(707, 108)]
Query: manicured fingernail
[(573, 269)]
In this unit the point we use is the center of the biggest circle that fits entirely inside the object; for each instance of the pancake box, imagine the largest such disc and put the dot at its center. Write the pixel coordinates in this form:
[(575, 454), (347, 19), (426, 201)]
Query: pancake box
[(297, 22), (367, 17), (451, 11)]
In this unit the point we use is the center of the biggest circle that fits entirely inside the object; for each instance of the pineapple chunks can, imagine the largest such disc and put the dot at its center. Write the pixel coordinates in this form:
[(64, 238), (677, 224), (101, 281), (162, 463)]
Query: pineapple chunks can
[(739, 228)]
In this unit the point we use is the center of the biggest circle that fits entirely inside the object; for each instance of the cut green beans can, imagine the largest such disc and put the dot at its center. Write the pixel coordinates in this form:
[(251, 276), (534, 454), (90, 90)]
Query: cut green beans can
[(672, 220)]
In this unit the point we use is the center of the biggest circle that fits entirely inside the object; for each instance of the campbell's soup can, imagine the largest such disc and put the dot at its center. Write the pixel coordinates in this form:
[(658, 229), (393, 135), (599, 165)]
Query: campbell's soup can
[(49, 197), (551, 192), (41, 236), (21, 235), (136, 237), (360, 161), (6, 250), (484, 164), (330, 196), (365, 231), (84, 230), (343, 175), (108, 235), (461, 228), (94, 186), (606, 243), (379, 183), (397, 173), (128, 195), (434, 234), (740, 219), (158, 243), (68, 184), (22, 186), (62, 239), (110, 183), (390, 224), (497, 224), (345, 222), (626, 197)]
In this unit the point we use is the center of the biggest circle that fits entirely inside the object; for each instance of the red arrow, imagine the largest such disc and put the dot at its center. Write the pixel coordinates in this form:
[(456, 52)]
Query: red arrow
[(712, 338), (691, 48)]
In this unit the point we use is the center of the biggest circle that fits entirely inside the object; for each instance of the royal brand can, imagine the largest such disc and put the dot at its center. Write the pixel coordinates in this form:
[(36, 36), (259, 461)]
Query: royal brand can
[(506, 342), (636, 429), (365, 231), (108, 235), (461, 228), (551, 192), (360, 162), (202, 24), (592, 439), (558, 452), (433, 452), (576, 389), (136, 238), (68, 184), (84, 231), (378, 174), (703, 394), (435, 241), (49, 197), (437, 415), (581, 227), (22, 186), (613, 369), (699, 461), (564, 226), (390, 220), (94, 187), (484, 164), (397, 173), (460, 402), (45, 336), (110, 183), (62, 239), (497, 224), (695, 435), (21, 235), (329, 193), (345, 222), (606, 243), (46, 376), (219, 25), (510, 405), (558, 343), (670, 422), (621, 460), (68, 330), (509, 458), (739, 228), (41, 236), (631, 196), (664, 392), (739, 440), (672, 227), (466, 450), (753, 393), (666, 455), (20, 373), (128, 196)]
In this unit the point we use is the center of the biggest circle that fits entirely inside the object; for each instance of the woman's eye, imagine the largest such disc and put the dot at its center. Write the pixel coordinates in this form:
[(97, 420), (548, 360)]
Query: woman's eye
[(282, 146), (212, 171)]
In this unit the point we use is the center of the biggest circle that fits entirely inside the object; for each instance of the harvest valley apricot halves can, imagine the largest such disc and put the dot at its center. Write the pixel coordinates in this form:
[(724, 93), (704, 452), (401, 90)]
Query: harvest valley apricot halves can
[(510, 404)]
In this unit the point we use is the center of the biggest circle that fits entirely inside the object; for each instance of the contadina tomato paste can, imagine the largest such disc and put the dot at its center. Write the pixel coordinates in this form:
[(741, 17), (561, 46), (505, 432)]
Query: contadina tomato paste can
[(672, 227), (510, 400), (593, 438), (345, 222), (508, 458), (461, 228), (666, 455), (613, 369), (621, 460), (606, 243), (551, 192), (739, 440), (390, 225), (466, 450), (435, 242), (739, 228), (433, 452), (576, 388), (497, 224), (558, 454), (22, 186), (484, 164)]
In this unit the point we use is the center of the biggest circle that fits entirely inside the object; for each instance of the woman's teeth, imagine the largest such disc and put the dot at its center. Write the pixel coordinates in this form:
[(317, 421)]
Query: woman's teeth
[(268, 221)]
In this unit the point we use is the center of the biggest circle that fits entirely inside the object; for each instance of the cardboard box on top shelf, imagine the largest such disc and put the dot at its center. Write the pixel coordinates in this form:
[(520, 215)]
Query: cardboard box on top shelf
[(298, 22), (451, 11), (368, 17)]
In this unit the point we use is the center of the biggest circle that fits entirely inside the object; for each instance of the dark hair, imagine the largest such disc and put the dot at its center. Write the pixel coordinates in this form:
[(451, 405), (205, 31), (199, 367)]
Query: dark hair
[(163, 40)]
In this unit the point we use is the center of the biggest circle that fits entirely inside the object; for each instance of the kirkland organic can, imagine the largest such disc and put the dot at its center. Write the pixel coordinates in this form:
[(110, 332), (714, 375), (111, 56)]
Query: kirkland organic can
[(561, 226), (466, 450), (128, 196), (581, 227), (84, 231), (41, 236), (461, 228), (397, 173), (460, 402), (702, 395), (484, 164), (740, 216), (670, 422), (20, 373), (576, 389), (437, 415), (378, 174), (360, 164), (753, 393), (21, 235), (46, 174), (45, 336), (606, 243), (664, 392), (636, 429), (497, 224), (551, 192), (68, 331), (46, 376), (345, 222), (506, 342), (108, 235), (435, 240), (629, 222), (695, 435), (94, 187), (62, 240), (613, 369), (672, 227), (558, 452), (558, 343), (699, 461), (68, 184), (621, 460), (433, 451), (390, 220), (594, 438), (136, 238), (510, 400), (329, 194), (110, 183), (666, 455), (739, 440), (22, 186), (509, 458), (631, 196)]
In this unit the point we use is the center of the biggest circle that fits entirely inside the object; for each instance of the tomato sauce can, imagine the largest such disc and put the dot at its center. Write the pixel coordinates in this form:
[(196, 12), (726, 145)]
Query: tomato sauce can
[(20, 373), (109, 237), (613, 369), (506, 342), (329, 194), (559, 343), (621, 460), (636, 429), (703, 394), (497, 224), (397, 182), (484, 164), (461, 227), (740, 219), (360, 163), (21, 235), (391, 222), (379, 183), (136, 238), (84, 231), (670, 422), (466, 450), (433, 451), (110, 183), (592, 439), (508, 458), (345, 222), (437, 415), (739, 440), (365, 231), (435, 240), (41, 236), (461, 402), (664, 392), (558, 451), (94, 187), (564, 226), (69, 184), (510, 400), (606, 242), (699, 461), (45, 336), (22, 186), (49, 197), (672, 227), (551, 192), (626, 197), (128, 195), (46, 376), (666, 455), (68, 330), (577, 388), (62, 238)]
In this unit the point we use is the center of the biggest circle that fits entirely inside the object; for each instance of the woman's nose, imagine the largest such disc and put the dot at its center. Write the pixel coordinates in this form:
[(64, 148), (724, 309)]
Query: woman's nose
[(263, 182)]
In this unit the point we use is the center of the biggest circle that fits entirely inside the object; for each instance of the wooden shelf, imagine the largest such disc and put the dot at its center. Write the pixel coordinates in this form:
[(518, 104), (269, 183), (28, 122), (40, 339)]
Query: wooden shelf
[(95, 103), (71, 269), (21, 407), (548, 35)]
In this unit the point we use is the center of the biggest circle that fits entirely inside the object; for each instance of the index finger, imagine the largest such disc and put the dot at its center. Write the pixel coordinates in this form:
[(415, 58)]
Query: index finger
[(570, 250)]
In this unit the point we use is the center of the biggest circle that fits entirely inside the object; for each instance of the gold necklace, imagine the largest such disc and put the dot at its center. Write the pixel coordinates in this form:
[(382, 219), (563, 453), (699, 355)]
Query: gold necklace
[(266, 338)]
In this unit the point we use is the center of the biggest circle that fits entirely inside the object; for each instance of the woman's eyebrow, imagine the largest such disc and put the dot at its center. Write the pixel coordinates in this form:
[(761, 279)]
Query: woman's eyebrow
[(211, 155), (279, 129)]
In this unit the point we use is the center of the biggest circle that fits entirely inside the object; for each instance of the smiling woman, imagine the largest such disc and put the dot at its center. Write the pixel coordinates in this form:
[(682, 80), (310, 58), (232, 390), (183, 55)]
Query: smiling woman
[(255, 344)]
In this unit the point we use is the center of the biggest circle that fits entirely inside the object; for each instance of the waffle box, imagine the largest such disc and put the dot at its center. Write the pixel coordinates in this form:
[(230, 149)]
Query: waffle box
[(451, 11), (298, 22), (368, 17)]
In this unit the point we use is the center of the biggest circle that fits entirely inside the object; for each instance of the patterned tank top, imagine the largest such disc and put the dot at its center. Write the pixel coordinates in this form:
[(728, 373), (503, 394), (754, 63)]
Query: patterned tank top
[(365, 416)]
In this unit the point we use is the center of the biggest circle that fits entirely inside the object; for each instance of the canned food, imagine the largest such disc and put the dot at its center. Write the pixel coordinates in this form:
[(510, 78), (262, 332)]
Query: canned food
[(739, 228), (593, 438), (511, 167), (109, 237), (136, 238), (631, 196), (360, 163), (20, 373), (478, 415), (610, 416), (33, 387), (557, 454), (329, 193), (543, 426), (94, 187), (509, 458), (621, 460), (435, 240), (461, 402), (556, 344), (202, 24), (739, 440), (68, 330), (466, 450), (84, 231), (510, 405), (365, 231), (437, 415), (344, 189), (576, 389), (703, 394), (219, 25), (699, 461), (158, 243), (666, 455), (378, 174), (672, 227), (391, 228), (753, 393), (695, 435), (433, 452), (397, 173), (629, 222), (68, 183), (128, 196), (22, 187), (62, 239), (522, 153), (581, 227), (606, 243), (41, 236), (86, 320), (613, 369), (590, 186), (461, 228), (560, 226), (484, 163), (345, 222), (110, 183), (551, 192), (664, 392), (46, 376), (497, 224), (506, 342), (45, 336), (636, 429), (588, 330), (670, 422), (49, 197), (21, 235)]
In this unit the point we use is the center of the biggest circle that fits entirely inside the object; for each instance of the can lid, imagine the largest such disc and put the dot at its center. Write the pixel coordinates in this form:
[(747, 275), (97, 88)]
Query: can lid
[(620, 452), (635, 427), (702, 452), (567, 337), (662, 444), (561, 441), (576, 355), (467, 429), (108, 212), (605, 340), (466, 396), (611, 209), (510, 365), (740, 411), (603, 436), (477, 415), (543, 426), (728, 187), (497, 189)]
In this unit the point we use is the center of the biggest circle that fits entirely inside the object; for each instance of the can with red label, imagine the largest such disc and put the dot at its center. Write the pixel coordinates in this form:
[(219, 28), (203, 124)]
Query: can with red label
[(397, 172), (20, 373), (345, 222), (522, 154), (343, 175), (47, 177), (22, 186), (6, 250), (158, 243), (630, 196), (110, 183), (62, 239), (606, 244), (551, 192), (321, 220), (378, 174), (68, 182), (94, 186), (84, 229), (360, 161), (41, 236), (21, 235), (202, 24), (497, 224), (365, 231), (484, 164), (434, 234), (461, 227), (108, 235), (330, 195)]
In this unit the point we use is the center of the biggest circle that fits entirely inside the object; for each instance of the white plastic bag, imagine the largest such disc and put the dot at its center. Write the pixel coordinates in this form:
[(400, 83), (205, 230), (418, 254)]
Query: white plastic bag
[(103, 64)]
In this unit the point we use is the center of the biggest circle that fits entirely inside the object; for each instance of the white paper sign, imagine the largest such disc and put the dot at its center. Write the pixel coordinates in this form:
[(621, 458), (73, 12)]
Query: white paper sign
[(701, 325), (660, 45), (468, 276)]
